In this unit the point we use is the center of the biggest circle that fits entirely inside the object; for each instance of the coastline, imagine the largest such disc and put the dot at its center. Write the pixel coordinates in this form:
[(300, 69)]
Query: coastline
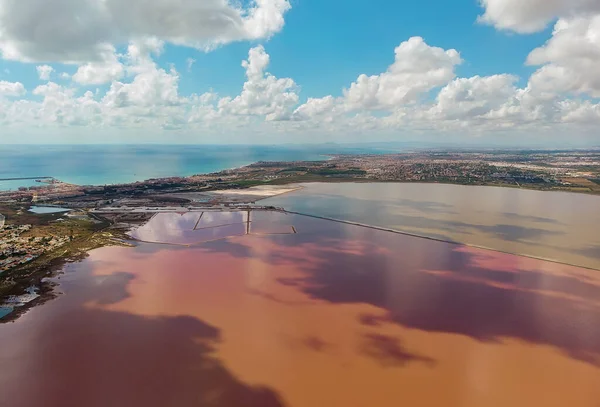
[(98, 165), (173, 192), (32, 276), (112, 233), (577, 171)]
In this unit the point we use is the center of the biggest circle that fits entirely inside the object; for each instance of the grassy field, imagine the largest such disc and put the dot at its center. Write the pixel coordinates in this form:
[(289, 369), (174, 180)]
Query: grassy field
[(18, 214), (586, 184)]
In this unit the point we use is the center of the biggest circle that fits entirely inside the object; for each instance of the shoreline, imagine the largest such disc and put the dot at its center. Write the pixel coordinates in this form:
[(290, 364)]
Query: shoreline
[(111, 233), (469, 169), (18, 280), (490, 185), (52, 264), (574, 171)]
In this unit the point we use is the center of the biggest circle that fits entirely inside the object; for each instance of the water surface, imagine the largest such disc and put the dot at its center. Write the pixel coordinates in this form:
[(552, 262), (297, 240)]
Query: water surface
[(13, 185), (47, 209), (333, 315), (113, 164), (552, 225)]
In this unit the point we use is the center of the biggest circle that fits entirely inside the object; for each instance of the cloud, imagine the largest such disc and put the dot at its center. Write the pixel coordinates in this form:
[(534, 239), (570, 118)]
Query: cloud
[(529, 16), (151, 87), (11, 89), (585, 112), (568, 62), (190, 63), (324, 108), (474, 98), (263, 94), (97, 73), (111, 68), (417, 69), (570, 59), (81, 31), (150, 98), (60, 106), (145, 98), (44, 72)]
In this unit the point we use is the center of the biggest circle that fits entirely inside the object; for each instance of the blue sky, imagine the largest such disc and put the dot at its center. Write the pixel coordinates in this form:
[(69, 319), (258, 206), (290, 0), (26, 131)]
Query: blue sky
[(499, 86), (324, 58)]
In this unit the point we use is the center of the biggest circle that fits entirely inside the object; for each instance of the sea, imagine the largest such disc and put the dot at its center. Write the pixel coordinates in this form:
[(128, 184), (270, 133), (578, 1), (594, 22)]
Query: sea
[(115, 164)]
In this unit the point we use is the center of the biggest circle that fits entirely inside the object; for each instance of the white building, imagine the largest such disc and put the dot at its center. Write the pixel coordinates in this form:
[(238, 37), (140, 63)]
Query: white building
[(1, 221)]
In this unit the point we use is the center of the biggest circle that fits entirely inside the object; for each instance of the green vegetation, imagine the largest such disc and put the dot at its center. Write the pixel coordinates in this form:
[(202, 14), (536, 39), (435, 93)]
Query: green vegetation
[(338, 172), (295, 169), (248, 183), (329, 171), (84, 235), (18, 214)]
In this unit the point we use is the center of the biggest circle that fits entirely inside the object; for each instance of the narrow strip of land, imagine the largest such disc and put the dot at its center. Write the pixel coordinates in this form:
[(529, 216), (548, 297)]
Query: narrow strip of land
[(199, 219), (24, 178)]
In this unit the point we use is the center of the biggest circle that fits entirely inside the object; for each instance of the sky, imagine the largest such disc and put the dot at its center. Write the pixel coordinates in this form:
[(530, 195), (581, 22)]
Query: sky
[(485, 72)]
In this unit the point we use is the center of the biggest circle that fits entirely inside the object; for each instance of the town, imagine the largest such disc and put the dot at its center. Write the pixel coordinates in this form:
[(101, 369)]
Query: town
[(17, 247)]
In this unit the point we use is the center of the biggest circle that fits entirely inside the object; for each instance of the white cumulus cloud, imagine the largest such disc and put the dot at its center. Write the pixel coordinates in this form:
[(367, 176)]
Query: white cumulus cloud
[(570, 59), (528, 16), (580, 112), (99, 72), (79, 31), (324, 108), (44, 72), (417, 69), (263, 94), (474, 98), (11, 89), (418, 93)]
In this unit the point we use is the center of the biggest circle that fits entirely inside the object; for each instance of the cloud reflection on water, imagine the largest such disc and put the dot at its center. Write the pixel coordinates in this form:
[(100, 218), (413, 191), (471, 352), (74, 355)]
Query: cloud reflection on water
[(333, 315)]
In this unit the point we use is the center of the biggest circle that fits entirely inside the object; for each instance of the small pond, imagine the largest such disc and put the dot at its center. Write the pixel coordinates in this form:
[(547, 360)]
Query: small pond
[(47, 209)]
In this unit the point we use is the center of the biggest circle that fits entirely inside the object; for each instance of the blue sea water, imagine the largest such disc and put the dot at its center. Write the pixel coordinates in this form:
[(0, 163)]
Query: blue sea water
[(114, 164)]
